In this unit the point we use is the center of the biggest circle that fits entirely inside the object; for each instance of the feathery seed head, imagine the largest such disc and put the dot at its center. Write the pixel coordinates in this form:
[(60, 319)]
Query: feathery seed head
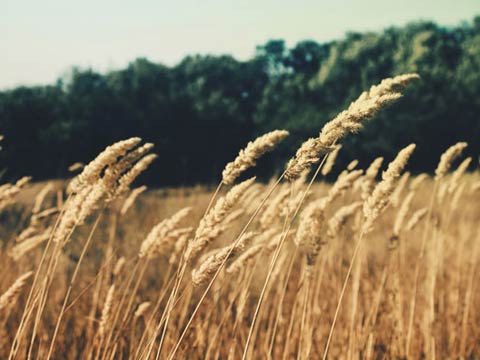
[(338, 220), (129, 201), (213, 262), (248, 157), (328, 166), (308, 154), (210, 225), (91, 173), (10, 296), (402, 214), (369, 178), (380, 197), (163, 234), (342, 184), (244, 259), (131, 175), (309, 228), (348, 121), (352, 165), (142, 309), (447, 159), (416, 218), (458, 173), (119, 266), (396, 196), (107, 307), (417, 181), (365, 107)]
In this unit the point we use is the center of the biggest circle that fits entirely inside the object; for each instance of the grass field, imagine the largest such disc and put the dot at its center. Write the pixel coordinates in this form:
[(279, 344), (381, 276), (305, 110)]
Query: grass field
[(378, 264)]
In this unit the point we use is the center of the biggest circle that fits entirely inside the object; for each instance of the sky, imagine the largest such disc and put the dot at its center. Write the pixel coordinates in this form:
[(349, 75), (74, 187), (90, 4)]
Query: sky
[(41, 40)]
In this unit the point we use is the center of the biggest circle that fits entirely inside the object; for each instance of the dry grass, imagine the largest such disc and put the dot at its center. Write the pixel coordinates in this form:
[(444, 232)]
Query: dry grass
[(286, 270)]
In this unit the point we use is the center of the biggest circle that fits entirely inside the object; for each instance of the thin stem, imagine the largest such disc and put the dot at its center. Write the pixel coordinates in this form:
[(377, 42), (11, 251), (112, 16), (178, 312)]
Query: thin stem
[(275, 256), (28, 306), (342, 293), (214, 196), (155, 309), (304, 316), (179, 275), (170, 308), (90, 284), (120, 305), (282, 297), (223, 264), (130, 303), (70, 286), (45, 288), (417, 270), (162, 319)]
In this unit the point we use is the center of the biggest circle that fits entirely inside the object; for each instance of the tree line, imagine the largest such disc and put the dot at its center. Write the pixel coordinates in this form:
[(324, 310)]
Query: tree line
[(200, 112)]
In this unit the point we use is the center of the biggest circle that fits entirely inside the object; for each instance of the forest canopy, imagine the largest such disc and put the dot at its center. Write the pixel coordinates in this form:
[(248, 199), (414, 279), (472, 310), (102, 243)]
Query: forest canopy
[(200, 112)]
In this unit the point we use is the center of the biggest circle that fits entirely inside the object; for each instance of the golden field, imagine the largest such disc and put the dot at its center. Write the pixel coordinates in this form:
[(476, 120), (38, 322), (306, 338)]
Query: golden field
[(377, 264)]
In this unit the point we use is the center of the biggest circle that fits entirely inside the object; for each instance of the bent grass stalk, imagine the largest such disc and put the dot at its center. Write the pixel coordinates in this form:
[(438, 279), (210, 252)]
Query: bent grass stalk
[(155, 309), (150, 345), (90, 284), (223, 319), (180, 274), (244, 292), (128, 283), (162, 319), (267, 196), (127, 310), (276, 254), (52, 265), (342, 293), (50, 271), (280, 303), (286, 222), (28, 309), (468, 299), (70, 286), (306, 294), (417, 269)]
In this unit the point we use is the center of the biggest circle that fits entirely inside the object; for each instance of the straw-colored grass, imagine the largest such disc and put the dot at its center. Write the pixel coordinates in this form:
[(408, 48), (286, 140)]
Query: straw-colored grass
[(292, 269)]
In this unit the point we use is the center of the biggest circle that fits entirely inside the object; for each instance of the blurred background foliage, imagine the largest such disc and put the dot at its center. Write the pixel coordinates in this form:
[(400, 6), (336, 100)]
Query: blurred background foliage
[(200, 112)]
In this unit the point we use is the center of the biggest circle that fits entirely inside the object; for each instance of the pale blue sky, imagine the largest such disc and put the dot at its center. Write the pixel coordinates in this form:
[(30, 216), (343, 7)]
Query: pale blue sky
[(40, 40)]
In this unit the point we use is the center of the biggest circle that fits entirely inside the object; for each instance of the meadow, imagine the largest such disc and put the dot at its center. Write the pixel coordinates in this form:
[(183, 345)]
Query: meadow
[(378, 264)]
